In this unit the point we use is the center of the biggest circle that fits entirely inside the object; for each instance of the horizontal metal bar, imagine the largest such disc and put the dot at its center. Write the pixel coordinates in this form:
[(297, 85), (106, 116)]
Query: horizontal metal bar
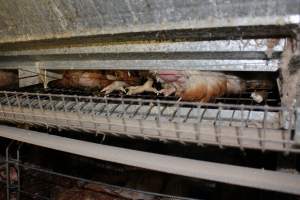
[(250, 177), (225, 55), (170, 102), (243, 45), (245, 55), (211, 65), (131, 104)]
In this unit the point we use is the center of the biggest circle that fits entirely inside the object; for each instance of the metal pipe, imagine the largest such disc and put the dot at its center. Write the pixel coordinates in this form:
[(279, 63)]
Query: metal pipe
[(236, 175)]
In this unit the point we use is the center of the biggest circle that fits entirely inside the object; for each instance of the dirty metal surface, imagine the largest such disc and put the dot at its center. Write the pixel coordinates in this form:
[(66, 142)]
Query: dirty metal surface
[(211, 65), (30, 20), (227, 55), (218, 46), (255, 127)]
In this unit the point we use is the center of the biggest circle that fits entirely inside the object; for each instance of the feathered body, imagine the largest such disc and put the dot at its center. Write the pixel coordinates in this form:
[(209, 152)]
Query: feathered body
[(189, 85), (81, 78), (198, 85), (95, 78), (8, 79)]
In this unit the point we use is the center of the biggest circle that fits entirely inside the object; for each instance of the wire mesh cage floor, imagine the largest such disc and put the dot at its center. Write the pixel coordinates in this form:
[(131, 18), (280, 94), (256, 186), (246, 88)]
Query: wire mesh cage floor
[(242, 126)]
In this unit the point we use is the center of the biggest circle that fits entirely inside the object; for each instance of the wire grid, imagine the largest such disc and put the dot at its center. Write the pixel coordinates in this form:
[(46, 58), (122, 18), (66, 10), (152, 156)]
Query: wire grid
[(242, 126), (35, 182)]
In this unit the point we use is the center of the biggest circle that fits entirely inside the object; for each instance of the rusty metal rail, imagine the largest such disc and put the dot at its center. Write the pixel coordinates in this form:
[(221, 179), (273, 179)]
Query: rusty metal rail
[(242, 126)]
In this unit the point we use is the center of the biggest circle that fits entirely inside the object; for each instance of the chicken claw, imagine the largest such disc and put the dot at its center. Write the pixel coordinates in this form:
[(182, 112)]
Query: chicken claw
[(167, 91), (147, 87), (115, 86)]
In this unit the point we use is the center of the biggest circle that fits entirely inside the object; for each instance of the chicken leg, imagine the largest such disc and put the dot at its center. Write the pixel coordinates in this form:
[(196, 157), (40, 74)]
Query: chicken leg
[(167, 90), (115, 86), (147, 87)]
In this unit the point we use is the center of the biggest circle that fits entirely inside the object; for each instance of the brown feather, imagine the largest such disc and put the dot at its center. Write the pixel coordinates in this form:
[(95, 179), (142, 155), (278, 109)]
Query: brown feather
[(80, 78), (95, 78), (8, 79), (201, 86)]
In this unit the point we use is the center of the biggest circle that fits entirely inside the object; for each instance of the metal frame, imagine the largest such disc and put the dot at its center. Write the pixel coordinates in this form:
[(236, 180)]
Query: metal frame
[(59, 20), (223, 55), (211, 65), (250, 177), (263, 128), (230, 45), (255, 127), (15, 190), (13, 187)]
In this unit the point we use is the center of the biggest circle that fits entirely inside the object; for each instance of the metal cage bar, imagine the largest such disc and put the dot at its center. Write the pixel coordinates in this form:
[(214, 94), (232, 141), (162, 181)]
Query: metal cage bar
[(242, 126)]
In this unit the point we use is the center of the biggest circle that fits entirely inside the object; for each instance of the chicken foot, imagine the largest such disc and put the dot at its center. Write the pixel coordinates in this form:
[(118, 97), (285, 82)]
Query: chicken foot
[(167, 90), (115, 86), (147, 87)]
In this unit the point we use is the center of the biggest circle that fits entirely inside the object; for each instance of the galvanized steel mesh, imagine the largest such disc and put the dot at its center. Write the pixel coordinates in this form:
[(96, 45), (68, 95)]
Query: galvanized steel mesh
[(242, 126)]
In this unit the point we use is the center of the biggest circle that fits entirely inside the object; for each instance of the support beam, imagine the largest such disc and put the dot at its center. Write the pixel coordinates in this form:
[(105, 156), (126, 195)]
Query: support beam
[(249, 177), (211, 65)]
